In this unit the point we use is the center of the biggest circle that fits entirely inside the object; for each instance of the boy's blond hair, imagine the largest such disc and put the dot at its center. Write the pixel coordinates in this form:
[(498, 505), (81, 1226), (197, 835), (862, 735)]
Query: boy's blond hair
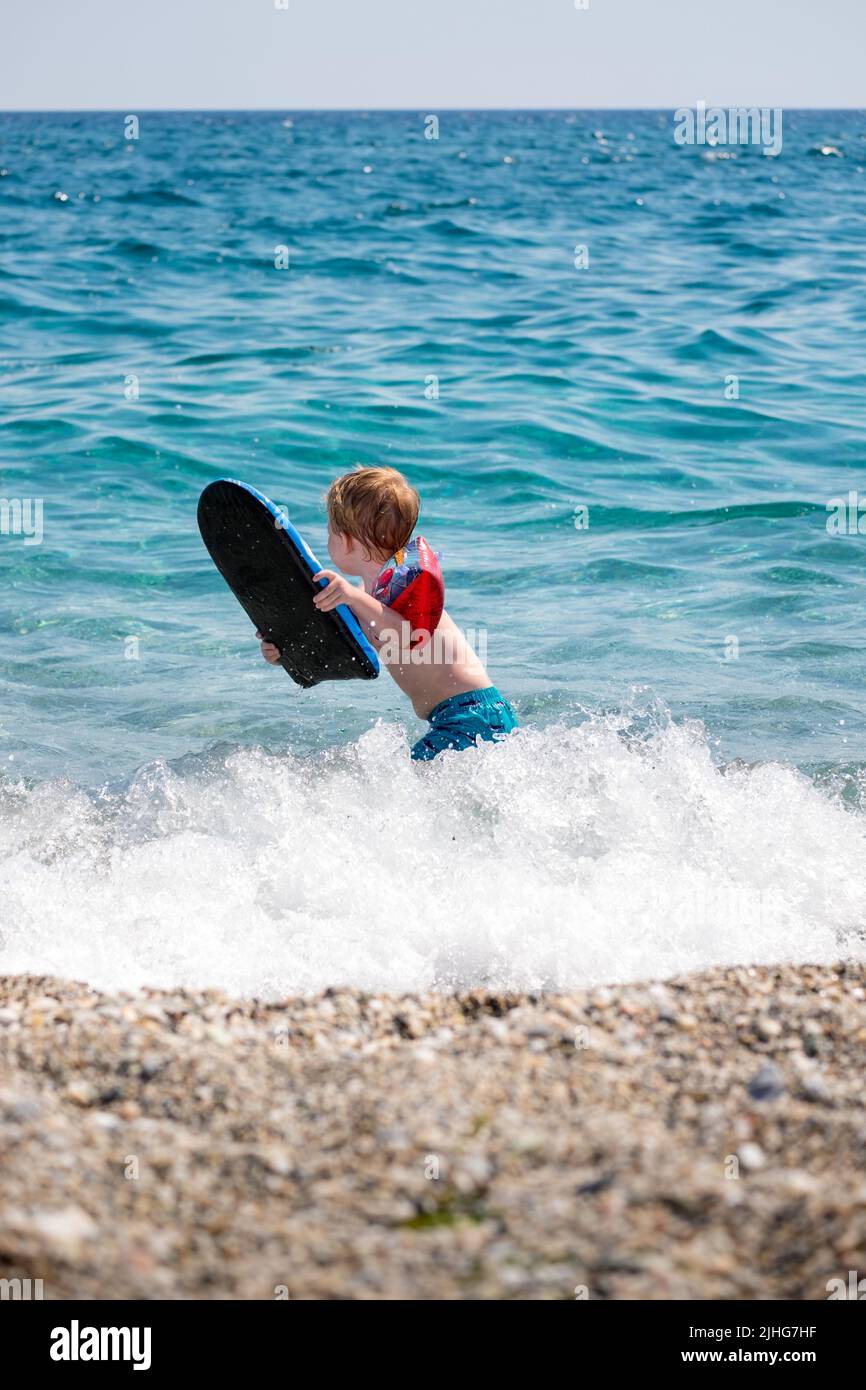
[(376, 506)]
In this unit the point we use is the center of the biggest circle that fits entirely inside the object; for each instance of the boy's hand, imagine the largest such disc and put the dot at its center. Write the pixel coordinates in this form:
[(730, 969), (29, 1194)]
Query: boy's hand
[(269, 651), (339, 590)]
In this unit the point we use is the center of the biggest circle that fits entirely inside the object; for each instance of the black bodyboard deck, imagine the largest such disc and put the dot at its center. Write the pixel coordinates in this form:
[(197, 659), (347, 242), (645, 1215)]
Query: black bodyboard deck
[(269, 568)]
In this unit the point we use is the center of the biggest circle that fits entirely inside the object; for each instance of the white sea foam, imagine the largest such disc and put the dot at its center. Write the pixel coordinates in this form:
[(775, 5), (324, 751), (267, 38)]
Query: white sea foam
[(562, 857)]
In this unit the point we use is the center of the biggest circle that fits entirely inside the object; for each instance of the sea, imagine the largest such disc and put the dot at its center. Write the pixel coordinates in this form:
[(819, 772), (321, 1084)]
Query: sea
[(628, 378)]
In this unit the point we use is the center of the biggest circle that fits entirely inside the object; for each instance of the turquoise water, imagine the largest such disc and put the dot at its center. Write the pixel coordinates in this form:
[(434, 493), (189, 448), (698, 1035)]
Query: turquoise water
[(705, 600)]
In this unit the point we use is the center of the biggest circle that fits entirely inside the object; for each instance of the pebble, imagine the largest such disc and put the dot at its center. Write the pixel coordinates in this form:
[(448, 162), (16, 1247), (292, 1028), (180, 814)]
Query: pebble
[(768, 1083), (768, 1028), (441, 1146), (815, 1088), (751, 1156), (81, 1093), (15, 1109), (64, 1233)]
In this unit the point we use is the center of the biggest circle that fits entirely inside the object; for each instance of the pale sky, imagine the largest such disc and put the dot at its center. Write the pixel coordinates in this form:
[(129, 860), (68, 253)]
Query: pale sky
[(133, 55)]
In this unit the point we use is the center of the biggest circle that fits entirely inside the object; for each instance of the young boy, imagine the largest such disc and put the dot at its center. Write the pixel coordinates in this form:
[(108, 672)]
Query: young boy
[(372, 513)]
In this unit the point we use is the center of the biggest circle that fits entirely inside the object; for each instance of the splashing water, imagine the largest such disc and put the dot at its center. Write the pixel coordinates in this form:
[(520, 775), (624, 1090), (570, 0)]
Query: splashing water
[(604, 852)]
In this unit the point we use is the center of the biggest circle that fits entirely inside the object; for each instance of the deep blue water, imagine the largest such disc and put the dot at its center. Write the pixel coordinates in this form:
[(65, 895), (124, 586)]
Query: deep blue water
[(559, 387)]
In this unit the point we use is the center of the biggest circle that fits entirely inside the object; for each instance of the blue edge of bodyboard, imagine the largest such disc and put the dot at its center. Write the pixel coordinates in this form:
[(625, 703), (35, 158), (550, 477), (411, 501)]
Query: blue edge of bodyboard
[(346, 616)]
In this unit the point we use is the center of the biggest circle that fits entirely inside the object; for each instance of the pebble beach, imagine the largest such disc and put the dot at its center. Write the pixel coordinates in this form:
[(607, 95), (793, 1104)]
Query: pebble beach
[(701, 1138)]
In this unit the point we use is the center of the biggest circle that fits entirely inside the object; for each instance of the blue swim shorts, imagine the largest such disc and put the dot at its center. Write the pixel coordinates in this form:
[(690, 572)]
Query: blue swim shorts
[(458, 722)]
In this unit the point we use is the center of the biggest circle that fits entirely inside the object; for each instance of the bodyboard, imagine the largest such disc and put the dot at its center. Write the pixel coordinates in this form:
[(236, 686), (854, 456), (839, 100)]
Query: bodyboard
[(269, 568)]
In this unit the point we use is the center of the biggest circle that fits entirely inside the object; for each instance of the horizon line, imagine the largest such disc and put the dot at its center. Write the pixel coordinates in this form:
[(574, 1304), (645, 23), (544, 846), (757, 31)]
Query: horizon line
[(383, 110)]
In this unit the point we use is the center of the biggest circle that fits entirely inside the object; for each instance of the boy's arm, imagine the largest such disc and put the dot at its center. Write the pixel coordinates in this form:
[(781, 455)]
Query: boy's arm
[(377, 621)]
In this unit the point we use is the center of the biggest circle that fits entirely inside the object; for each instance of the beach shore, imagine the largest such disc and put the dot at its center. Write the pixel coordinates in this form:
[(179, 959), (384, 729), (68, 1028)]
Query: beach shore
[(701, 1138)]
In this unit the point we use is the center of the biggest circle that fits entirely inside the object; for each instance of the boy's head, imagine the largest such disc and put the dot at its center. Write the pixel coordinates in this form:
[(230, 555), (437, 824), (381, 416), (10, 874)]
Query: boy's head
[(372, 513)]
